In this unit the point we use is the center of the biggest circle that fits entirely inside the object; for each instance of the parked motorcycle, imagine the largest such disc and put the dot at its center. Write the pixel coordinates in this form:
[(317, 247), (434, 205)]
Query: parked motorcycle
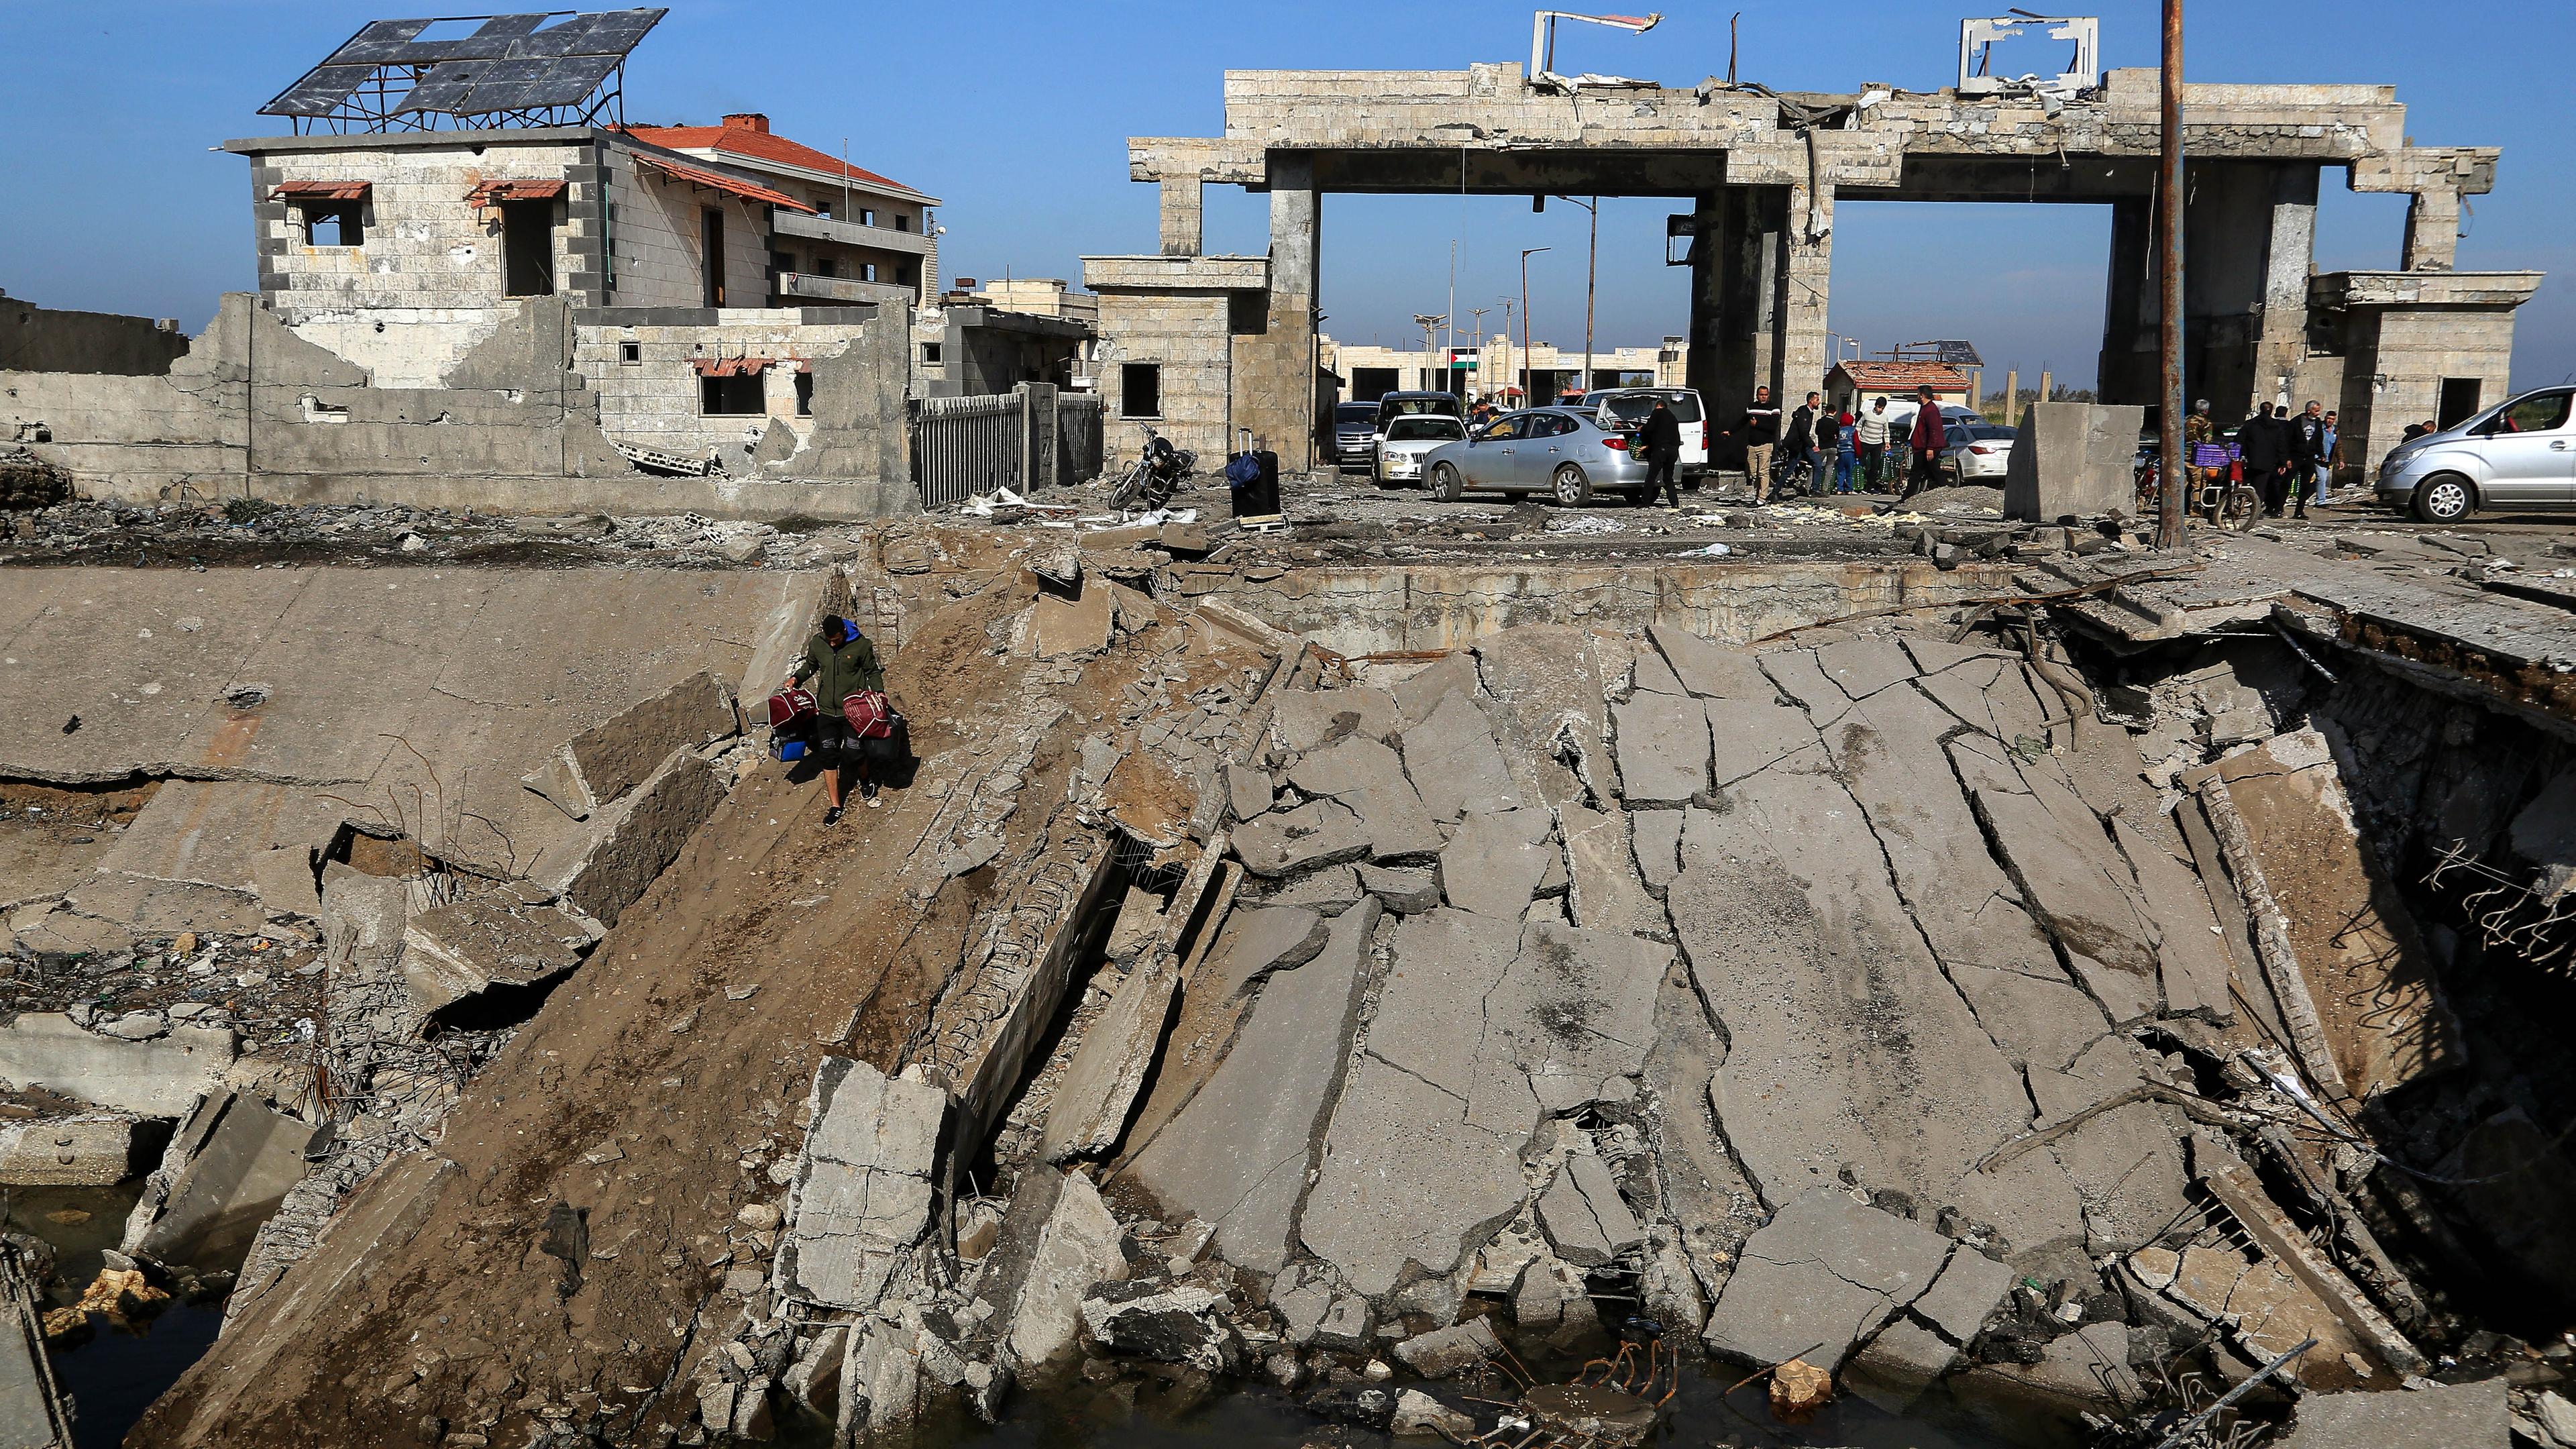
[(1156, 474)]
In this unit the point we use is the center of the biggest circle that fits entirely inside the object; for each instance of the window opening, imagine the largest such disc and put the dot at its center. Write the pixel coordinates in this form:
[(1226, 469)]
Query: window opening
[(1140, 390), (334, 224), (738, 396)]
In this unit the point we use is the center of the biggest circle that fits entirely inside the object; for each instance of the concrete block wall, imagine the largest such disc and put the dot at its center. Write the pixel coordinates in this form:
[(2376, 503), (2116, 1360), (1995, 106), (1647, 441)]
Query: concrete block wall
[(46, 339), (654, 401), (184, 433), (656, 239), (1187, 334), (424, 247)]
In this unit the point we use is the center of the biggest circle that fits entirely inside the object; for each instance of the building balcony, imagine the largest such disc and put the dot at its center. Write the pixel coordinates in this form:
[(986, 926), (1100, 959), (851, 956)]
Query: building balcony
[(841, 289), (850, 233)]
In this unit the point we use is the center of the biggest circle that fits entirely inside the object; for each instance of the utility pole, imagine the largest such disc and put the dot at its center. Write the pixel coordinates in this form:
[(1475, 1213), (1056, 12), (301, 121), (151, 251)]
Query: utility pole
[(2169, 204), (1479, 314), (1507, 372), (1430, 326), (1526, 254)]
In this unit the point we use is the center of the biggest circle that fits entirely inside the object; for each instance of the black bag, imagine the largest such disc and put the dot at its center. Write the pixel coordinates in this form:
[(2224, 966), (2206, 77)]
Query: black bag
[(1260, 497), (888, 757)]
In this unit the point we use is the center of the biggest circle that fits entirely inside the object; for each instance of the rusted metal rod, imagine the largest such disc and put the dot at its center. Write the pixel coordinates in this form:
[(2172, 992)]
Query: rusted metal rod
[(2169, 209)]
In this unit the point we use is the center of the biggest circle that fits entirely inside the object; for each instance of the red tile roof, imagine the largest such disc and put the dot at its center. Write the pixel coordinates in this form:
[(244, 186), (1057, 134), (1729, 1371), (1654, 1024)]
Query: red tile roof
[(320, 191), (758, 146), (1904, 375), (492, 192), (717, 180)]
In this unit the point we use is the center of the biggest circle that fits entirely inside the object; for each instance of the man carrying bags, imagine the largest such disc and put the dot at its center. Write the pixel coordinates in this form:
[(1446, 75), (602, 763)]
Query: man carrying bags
[(843, 665)]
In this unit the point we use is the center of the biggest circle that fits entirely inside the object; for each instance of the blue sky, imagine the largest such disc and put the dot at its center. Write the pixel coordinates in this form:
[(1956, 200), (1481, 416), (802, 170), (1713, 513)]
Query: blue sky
[(1016, 115)]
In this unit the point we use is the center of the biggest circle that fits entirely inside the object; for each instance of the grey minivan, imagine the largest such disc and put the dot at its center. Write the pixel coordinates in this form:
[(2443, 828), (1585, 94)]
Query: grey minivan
[(2519, 454)]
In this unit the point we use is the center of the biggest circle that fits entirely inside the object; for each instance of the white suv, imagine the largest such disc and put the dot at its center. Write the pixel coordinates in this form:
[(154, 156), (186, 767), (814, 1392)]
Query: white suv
[(1625, 409), (2519, 454)]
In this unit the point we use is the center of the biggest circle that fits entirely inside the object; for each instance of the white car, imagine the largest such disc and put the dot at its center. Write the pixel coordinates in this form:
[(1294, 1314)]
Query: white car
[(1407, 438), (1978, 452), (1626, 408)]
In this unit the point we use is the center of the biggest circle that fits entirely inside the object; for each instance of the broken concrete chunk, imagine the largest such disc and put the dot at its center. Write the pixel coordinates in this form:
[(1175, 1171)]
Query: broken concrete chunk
[(285, 882), (1892, 1370), (1420, 693), (1970, 1288), (1865, 666), (1819, 1277), (1661, 746), (1064, 627), (1603, 888), (1331, 890), (1407, 891), (1168, 1324), (1248, 791), (230, 1164), (1089, 1109), (1455, 764), (467, 947), (1494, 864), (161, 1078), (1586, 1220), (1309, 719), (1319, 832), (1447, 1352), (86, 1149), (1419, 1415), (1707, 668), (623, 752), (1077, 1248), (862, 1192), (1140, 918), (1553, 1298), (1257, 941), (1657, 842), (1236, 1155), (2450, 1416)]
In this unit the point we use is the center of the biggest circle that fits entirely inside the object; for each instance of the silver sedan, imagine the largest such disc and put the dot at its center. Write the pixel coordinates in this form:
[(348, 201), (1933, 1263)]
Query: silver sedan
[(1561, 451)]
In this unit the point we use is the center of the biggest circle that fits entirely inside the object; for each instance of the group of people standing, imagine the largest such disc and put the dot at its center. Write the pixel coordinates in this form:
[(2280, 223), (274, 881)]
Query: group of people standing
[(2288, 458), (1853, 450)]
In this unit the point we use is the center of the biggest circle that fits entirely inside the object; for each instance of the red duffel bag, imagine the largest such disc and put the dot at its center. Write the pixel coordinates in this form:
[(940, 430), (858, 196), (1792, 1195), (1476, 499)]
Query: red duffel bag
[(870, 716), (791, 706)]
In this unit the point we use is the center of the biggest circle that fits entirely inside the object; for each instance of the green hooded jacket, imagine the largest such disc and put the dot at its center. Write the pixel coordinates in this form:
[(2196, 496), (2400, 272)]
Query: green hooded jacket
[(839, 673)]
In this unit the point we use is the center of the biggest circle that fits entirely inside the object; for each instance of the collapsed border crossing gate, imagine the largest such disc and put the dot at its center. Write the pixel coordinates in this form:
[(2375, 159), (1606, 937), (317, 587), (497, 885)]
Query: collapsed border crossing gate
[(1034, 436)]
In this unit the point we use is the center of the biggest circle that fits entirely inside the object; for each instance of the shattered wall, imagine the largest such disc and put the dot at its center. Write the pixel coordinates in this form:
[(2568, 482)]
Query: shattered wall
[(654, 400), (43, 339)]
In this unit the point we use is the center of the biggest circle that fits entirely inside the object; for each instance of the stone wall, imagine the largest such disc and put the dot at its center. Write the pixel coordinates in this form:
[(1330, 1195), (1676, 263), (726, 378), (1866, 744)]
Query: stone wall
[(43, 339), (1185, 333), (658, 239), (254, 409), (654, 400)]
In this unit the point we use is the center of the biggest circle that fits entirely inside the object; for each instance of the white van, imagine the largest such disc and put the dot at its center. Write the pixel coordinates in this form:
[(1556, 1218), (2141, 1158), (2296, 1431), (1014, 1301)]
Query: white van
[(1625, 409)]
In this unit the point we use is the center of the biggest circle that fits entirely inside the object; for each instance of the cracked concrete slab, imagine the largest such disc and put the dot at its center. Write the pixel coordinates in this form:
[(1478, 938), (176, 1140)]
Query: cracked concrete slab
[(1604, 890), (1754, 734), (1406, 890), (1657, 838), (1586, 1221), (1798, 675), (2192, 964), (1331, 890), (862, 1193), (1309, 719), (2065, 875), (1283, 843), (1864, 666), (1091, 1102), (1455, 764), (1820, 1277), (2443, 1416), (1661, 743), (1369, 778), (1707, 668), (1407, 1181), (1417, 695), (1237, 1155), (1259, 940), (1495, 862)]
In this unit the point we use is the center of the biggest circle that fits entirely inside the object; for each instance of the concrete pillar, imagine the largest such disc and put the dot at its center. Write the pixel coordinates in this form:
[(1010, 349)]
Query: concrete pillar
[(1275, 369), (1737, 284), (1184, 205), (2012, 395), (2127, 369), (2432, 231), (1807, 264), (2249, 237), (2047, 385)]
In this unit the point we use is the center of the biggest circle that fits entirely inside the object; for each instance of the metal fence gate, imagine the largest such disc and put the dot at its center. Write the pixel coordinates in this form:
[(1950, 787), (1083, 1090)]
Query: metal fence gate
[(1033, 436)]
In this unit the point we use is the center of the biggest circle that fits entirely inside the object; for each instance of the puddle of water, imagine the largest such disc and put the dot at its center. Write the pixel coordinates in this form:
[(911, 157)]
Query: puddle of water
[(114, 1376)]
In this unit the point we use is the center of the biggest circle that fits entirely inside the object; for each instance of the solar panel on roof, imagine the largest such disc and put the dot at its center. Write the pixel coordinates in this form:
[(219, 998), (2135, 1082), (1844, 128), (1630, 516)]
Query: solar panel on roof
[(508, 63)]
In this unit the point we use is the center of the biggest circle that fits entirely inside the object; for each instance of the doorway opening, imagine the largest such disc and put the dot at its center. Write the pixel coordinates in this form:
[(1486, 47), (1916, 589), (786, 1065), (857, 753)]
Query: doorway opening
[(527, 248)]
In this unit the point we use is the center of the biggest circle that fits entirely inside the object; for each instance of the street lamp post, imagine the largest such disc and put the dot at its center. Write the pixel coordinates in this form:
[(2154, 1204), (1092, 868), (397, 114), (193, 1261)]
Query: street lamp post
[(1430, 326), (1591, 276), (1526, 254), (1506, 368), (1479, 314), (2169, 204)]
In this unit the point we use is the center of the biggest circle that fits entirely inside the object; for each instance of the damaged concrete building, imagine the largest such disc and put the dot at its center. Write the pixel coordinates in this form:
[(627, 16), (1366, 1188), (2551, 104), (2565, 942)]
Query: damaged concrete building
[(469, 299), (1232, 340)]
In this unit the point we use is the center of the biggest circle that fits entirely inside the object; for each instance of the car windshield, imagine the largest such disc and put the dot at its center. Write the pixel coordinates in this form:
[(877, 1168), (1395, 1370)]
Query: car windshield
[(1355, 413), (1420, 428), (1633, 407), (1397, 407)]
